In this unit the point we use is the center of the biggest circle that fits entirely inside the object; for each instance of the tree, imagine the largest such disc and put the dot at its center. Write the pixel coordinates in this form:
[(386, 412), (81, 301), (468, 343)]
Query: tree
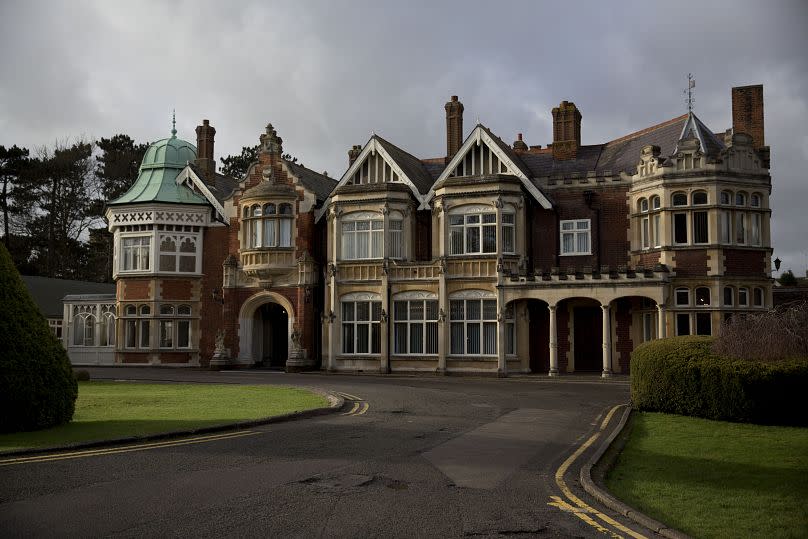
[(13, 162), (37, 386), (236, 166), (118, 164), (788, 279)]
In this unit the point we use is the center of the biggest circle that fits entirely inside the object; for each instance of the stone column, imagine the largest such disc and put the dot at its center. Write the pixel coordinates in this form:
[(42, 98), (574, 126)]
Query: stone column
[(607, 343), (660, 321), (502, 366), (443, 320), (553, 341)]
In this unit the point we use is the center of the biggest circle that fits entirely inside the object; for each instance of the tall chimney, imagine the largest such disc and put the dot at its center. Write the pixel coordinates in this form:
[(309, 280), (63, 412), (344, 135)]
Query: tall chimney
[(566, 131), (353, 154), (204, 150), (454, 127), (747, 113)]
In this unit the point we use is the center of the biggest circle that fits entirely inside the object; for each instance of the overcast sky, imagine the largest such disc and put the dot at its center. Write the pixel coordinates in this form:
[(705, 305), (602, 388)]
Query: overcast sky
[(328, 74)]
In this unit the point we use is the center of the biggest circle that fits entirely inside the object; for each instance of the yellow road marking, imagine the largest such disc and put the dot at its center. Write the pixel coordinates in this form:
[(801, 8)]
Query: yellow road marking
[(564, 506), (365, 407), (353, 410), (125, 449), (562, 470), (352, 397)]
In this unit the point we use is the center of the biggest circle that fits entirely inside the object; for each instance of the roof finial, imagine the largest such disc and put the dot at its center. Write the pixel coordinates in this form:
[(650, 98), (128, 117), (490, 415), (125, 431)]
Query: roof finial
[(691, 83), (174, 123)]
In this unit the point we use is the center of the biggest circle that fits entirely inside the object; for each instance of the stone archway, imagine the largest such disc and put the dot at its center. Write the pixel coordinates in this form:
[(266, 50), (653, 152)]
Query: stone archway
[(250, 334)]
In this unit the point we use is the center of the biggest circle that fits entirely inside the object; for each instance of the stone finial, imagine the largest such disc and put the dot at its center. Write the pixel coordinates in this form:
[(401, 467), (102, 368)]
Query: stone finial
[(271, 142)]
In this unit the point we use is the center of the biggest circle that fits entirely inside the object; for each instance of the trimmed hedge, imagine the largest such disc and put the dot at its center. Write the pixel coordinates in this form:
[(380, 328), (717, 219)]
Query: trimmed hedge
[(37, 387), (681, 375)]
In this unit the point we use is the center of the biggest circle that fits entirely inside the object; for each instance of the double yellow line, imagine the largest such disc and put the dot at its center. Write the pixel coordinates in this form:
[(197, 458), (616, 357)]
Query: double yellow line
[(360, 407), (580, 508), (124, 449)]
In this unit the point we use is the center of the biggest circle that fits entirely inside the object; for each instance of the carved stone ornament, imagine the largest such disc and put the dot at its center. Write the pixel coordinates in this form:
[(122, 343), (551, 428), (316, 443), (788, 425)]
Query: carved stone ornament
[(441, 315), (332, 269), (271, 142), (385, 209), (498, 202), (268, 174), (296, 337), (219, 347)]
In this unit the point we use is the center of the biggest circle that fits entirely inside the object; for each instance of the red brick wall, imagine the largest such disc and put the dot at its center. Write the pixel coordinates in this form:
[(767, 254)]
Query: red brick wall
[(649, 259), (738, 262), (176, 289), (690, 263), (134, 289), (747, 113), (624, 344), (215, 247)]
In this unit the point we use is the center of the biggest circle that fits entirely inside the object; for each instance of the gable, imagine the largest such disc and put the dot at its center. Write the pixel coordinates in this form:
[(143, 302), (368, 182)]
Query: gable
[(483, 155), (188, 178)]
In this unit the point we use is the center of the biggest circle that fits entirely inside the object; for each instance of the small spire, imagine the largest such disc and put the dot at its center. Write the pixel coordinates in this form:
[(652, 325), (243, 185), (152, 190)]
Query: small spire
[(174, 123), (691, 83)]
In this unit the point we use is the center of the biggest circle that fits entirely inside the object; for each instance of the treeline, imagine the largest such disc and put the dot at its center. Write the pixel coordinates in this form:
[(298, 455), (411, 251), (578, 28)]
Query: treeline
[(53, 201)]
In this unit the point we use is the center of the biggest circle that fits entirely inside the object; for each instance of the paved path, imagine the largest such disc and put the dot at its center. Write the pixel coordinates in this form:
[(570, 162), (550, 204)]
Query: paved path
[(408, 457)]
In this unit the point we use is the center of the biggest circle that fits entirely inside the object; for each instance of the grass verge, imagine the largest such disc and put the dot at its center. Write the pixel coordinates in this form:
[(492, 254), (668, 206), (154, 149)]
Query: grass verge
[(713, 478), (106, 410)]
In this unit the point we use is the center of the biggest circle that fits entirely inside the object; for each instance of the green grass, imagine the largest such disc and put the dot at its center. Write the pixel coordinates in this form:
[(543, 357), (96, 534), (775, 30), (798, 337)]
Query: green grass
[(106, 410), (713, 478)]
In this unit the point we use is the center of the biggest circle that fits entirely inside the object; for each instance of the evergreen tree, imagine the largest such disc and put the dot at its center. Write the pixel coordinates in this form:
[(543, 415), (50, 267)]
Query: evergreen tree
[(13, 163), (37, 386), (788, 279), (118, 164), (236, 166)]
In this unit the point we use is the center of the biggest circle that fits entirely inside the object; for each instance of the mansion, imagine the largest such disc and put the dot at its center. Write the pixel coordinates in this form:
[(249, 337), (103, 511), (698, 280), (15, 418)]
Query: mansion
[(492, 258)]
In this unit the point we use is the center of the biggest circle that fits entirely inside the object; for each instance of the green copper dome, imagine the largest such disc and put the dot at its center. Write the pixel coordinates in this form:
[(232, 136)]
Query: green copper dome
[(157, 176)]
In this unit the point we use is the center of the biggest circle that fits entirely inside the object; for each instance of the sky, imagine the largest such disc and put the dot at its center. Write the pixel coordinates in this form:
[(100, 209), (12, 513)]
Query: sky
[(328, 74)]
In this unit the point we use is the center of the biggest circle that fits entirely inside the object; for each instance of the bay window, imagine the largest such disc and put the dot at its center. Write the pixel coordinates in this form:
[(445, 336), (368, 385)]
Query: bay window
[(135, 253), (473, 326), (175, 326), (362, 236), (508, 232), (416, 324), (473, 230), (396, 225), (269, 225), (361, 324), (575, 237)]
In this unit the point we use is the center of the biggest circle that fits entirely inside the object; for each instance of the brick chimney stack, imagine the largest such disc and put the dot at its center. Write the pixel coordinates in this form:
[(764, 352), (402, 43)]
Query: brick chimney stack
[(747, 113), (205, 159), (566, 131), (353, 154), (454, 127), (519, 145)]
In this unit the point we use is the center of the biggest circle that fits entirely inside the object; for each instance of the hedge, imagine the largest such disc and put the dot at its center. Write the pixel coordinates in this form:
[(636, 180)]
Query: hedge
[(37, 387), (681, 375)]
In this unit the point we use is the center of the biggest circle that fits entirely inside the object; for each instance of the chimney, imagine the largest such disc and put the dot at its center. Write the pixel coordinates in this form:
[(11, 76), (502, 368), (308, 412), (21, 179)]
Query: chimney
[(519, 144), (566, 131), (454, 127), (204, 148), (353, 154), (747, 113)]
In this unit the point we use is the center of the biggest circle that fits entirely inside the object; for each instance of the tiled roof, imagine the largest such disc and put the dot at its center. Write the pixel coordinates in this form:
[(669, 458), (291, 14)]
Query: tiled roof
[(48, 292), (223, 186), (409, 164), (318, 183)]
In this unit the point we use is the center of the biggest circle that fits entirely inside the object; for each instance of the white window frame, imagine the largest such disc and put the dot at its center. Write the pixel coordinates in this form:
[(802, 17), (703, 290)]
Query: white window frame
[(398, 247), (178, 239), (131, 253), (487, 304), (84, 318), (174, 324), (578, 228), (373, 322), (372, 226), (508, 228), (731, 291), (258, 221), (755, 303), (475, 218), (404, 323)]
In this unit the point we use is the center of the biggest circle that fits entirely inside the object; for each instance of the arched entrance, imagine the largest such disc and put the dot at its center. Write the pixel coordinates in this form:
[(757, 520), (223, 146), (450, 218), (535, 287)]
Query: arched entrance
[(539, 335), (265, 327), (270, 336)]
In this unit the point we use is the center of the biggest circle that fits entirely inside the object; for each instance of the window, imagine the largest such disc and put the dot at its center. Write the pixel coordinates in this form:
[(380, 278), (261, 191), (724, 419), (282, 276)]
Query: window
[(175, 326), (655, 201), (757, 297), (682, 324), (645, 225), (743, 297), (740, 228), (177, 253), (473, 233), (269, 225), (575, 237), (702, 296), (416, 325), (473, 326), (725, 226), (726, 197), (135, 253), (508, 232), (362, 236), (754, 229), (396, 238), (643, 205), (656, 230), (754, 200), (700, 227), (130, 334), (84, 325), (699, 198), (107, 325), (740, 199), (647, 326), (166, 327), (361, 324), (145, 325), (680, 228), (510, 330), (682, 296), (679, 199), (55, 327), (703, 324), (729, 293)]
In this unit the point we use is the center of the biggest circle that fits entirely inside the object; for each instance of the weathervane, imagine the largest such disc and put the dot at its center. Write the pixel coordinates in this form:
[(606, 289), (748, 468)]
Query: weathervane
[(174, 122), (691, 83)]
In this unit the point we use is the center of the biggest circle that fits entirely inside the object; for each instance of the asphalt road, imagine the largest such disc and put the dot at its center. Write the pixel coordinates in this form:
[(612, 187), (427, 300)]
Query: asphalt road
[(409, 457)]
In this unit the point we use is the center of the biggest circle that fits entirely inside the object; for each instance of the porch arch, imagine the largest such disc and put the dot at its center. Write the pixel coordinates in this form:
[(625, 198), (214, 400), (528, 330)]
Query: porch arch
[(247, 315)]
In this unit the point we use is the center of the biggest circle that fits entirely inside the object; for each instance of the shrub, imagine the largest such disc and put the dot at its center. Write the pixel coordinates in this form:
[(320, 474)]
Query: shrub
[(37, 387), (682, 375), (770, 336), (81, 375)]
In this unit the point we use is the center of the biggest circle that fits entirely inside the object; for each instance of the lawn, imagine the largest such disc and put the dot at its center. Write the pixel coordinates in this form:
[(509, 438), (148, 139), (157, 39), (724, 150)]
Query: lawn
[(713, 478), (106, 410)]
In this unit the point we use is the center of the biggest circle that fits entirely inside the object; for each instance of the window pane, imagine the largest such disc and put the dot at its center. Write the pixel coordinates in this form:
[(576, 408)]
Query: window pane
[(400, 338), (144, 334), (188, 264), (455, 220), (508, 218), (725, 225), (269, 233), (362, 243), (416, 310), (167, 245), (700, 227), (348, 246), (376, 336), (740, 228), (489, 239), (510, 338), (400, 310), (432, 309), (472, 338), (378, 244), (362, 336), (416, 338), (396, 239), (657, 226), (682, 296), (680, 199), (703, 324), (457, 337), (183, 334), (757, 297), (168, 263), (680, 228), (702, 296), (431, 338), (166, 334), (456, 309), (131, 330), (755, 229), (376, 311), (473, 309), (347, 311), (507, 239), (473, 240), (743, 296), (728, 296), (472, 219), (646, 238), (583, 242), (700, 198), (363, 310), (489, 338), (489, 309), (489, 218), (567, 225), (347, 338), (187, 245), (456, 240), (683, 324), (567, 243)]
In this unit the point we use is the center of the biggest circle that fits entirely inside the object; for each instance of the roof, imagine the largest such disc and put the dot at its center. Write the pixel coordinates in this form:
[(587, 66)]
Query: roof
[(157, 175), (409, 164), (223, 185), (49, 292), (320, 184)]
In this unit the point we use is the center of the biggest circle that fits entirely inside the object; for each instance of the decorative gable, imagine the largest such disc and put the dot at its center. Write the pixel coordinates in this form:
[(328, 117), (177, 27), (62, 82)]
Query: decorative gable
[(188, 179), (375, 165), (480, 160)]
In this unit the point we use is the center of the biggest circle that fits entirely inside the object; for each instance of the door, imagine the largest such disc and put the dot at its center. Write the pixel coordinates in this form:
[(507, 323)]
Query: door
[(588, 328), (539, 336)]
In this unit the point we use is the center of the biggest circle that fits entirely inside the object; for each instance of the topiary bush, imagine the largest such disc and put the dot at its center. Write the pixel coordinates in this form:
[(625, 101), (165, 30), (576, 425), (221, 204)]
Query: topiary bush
[(37, 387), (682, 375)]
